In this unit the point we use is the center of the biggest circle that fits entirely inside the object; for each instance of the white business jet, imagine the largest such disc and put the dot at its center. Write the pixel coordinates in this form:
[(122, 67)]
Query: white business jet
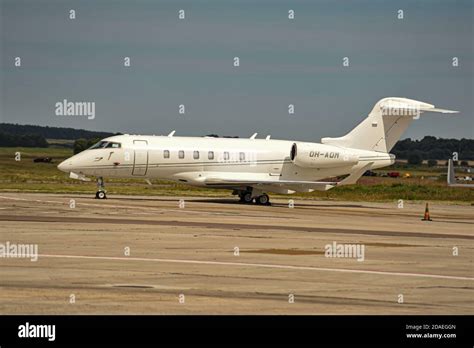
[(252, 167)]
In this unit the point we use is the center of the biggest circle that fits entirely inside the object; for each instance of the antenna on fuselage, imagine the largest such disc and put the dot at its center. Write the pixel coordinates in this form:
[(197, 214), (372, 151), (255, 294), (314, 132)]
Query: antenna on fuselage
[(171, 134), (254, 136)]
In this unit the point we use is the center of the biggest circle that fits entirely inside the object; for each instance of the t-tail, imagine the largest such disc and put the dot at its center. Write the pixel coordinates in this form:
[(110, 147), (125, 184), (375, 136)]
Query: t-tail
[(385, 124)]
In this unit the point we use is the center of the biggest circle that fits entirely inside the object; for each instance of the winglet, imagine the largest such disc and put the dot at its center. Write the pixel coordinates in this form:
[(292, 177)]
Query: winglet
[(352, 179), (172, 133), (254, 136), (268, 137), (451, 177)]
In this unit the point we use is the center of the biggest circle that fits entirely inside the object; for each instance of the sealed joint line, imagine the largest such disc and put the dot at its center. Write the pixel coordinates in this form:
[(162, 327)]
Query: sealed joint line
[(259, 265)]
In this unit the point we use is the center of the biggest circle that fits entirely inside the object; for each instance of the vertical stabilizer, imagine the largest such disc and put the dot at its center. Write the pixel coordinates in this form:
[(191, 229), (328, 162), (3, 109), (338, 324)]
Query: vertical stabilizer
[(384, 125)]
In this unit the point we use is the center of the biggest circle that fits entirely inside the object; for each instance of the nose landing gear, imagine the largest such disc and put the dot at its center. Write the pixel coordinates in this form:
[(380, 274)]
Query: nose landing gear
[(101, 192)]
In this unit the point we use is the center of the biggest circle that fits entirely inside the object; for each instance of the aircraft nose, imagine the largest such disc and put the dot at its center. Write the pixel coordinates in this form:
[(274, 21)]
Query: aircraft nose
[(64, 165)]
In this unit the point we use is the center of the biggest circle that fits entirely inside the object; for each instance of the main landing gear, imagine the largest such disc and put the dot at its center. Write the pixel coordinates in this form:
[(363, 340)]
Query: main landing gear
[(246, 197), (101, 193), (263, 199), (250, 196)]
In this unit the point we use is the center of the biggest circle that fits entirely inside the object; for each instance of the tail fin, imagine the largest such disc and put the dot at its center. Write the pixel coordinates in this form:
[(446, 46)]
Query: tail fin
[(385, 124)]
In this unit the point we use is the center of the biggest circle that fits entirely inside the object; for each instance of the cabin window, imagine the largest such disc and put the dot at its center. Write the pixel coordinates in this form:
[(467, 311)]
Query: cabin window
[(242, 156), (226, 156), (166, 153), (210, 155), (181, 154), (196, 154)]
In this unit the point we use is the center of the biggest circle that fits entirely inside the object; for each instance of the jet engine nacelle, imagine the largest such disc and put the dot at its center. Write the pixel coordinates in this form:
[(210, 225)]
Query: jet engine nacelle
[(311, 155)]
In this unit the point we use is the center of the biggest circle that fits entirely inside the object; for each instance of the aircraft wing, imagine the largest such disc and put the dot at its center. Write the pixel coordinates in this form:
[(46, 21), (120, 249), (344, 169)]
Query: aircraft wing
[(296, 185), (268, 182), (355, 175), (234, 180)]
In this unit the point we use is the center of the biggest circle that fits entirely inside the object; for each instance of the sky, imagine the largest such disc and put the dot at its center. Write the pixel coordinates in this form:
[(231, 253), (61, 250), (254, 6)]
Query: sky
[(191, 62)]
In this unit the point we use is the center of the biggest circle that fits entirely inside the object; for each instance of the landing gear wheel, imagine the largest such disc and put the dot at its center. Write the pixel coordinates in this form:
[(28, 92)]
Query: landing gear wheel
[(263, 199), (100, 195), (247, 197)]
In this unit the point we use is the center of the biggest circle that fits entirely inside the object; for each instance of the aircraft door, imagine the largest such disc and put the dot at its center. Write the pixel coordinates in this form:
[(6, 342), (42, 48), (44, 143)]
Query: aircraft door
[(140, 161)]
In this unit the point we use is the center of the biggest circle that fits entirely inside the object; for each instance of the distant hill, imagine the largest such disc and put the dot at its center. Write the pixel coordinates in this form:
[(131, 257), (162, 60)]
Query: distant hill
[(51, 132)]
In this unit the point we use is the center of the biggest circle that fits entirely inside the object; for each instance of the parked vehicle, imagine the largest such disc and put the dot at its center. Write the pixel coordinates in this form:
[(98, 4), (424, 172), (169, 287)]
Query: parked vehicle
[(43, 160), (370, 173)]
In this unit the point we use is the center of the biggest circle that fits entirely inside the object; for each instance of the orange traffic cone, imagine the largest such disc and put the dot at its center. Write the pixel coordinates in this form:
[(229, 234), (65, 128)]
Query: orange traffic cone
[(426, 217)]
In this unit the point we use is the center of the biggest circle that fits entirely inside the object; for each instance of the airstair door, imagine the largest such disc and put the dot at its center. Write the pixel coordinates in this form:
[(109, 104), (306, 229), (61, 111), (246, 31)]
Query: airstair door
[(140, 162)]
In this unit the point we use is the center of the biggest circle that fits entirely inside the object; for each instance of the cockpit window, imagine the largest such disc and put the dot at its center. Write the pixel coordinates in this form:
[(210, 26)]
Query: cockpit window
[(105, 145), (113, 145), (98, 145)]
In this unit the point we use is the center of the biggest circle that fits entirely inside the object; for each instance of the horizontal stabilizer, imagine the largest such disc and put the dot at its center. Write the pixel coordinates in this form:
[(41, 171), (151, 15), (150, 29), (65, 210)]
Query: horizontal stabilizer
[(443, 111)]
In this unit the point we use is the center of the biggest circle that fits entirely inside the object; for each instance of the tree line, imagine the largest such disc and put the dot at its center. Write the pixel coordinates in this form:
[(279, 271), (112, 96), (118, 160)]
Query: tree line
[(51, 132), (22, 140), (432, 148), (415, 151), (83, 144)]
